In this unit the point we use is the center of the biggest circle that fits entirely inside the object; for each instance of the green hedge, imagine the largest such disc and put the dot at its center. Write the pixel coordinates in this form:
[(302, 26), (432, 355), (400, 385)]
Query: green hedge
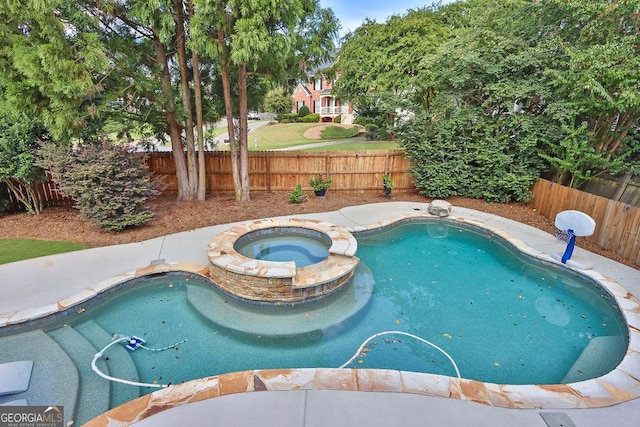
[(311, 118), (288, 118), (470, 154)]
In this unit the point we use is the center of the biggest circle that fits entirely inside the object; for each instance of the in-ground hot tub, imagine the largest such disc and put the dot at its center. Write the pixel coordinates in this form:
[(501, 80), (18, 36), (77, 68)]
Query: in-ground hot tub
[(282, 262)]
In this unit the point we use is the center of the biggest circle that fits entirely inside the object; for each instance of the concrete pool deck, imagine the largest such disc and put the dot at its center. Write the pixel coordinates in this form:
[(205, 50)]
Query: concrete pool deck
[(42, 286)]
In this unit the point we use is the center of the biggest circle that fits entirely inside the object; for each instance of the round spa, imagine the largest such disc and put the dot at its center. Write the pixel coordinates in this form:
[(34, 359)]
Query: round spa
[(282, 262)]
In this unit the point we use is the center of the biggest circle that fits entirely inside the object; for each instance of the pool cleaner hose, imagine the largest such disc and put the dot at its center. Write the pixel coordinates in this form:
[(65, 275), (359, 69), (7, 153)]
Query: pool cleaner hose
[(123, 339), (364, 344)]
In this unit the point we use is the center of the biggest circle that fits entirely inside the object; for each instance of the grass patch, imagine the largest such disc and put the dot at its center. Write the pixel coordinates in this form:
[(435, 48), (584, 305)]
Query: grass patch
[(337, 132), (281, 135), (212, 133), (12, 250), (275, 136), (284, 135)]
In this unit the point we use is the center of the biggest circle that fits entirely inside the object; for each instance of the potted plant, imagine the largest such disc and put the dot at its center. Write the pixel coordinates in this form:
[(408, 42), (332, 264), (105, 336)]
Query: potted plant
[(387, 185), (320, 184)]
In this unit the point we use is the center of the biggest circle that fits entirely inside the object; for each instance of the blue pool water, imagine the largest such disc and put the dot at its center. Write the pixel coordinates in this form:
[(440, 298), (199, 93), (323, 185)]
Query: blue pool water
[(500, 316), (300, 247)]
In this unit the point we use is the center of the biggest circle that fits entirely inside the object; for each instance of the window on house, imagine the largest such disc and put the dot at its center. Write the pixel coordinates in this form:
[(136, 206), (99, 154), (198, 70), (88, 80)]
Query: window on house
[(316, 106), (317, 84), (299, 104)]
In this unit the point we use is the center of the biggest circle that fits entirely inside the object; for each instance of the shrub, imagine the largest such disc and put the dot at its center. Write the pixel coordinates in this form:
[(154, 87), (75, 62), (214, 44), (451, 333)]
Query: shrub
[(108, 183), (298, 195), (311, 118), (288, 118), (338, 132), (303, 111), (467, 153), (337, 119)]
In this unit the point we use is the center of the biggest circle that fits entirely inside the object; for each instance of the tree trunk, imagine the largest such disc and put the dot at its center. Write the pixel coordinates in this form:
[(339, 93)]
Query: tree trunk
[(202, 178), (182, 175), (244, 133), (35, 197), (228, 105), (27, 199), (181, 50)]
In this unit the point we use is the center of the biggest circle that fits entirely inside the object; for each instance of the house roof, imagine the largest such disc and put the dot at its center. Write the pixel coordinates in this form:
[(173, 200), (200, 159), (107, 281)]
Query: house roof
[(305, 88)]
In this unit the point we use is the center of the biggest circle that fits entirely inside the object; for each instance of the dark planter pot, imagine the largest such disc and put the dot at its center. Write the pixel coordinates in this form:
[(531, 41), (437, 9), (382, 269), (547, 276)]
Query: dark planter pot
[(387, 192), (320, 193)]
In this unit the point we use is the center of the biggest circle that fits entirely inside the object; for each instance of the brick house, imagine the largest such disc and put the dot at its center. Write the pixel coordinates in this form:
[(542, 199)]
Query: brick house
[(316, 94)]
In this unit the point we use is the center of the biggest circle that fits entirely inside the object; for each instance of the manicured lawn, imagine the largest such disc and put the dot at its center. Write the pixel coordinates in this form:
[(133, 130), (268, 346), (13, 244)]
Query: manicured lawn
[(280, 135), (284, 135), (12, 250)]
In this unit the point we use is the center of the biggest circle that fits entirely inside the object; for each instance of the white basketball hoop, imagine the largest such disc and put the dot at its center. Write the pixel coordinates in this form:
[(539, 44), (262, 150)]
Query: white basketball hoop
[(569, 225)]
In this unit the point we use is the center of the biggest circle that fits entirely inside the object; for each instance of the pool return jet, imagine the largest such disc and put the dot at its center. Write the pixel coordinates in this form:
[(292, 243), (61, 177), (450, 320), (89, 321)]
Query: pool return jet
[(571, 224)]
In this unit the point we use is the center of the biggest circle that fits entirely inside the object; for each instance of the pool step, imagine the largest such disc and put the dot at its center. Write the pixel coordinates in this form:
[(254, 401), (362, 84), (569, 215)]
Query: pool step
[(120, 363), (54, 378), (600, 356), (94, 394)]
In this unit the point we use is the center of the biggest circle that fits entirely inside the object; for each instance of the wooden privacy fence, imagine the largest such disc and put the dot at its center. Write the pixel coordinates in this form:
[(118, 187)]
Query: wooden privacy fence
[(271, 171), (617, 224), (48, 191)]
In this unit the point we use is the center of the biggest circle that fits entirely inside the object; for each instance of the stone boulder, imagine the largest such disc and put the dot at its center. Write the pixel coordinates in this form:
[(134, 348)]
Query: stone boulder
[(440, 208)]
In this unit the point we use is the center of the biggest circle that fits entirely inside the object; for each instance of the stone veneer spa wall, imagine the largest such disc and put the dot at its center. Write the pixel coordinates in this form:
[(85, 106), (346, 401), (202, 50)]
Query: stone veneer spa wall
[(281, 283)]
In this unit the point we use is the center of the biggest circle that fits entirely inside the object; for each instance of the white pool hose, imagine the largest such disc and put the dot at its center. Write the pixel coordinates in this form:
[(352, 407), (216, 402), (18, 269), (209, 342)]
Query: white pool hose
[(120, 339), (364, 344)]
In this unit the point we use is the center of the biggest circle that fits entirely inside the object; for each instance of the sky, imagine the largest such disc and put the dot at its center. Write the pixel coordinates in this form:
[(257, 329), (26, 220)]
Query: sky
[(352, 13)]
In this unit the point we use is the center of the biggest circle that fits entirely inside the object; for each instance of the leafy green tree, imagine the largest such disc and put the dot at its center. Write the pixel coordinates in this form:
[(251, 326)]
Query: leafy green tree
[(570, 64), (389, 58), (49, 66), (150, 76), (278, 101), (20, 139), (593, 69), (85, 65), (480, 134), (258, 37)]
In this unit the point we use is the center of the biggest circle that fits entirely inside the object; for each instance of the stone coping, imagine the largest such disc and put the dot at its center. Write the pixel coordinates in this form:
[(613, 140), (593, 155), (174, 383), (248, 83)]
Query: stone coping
[(222, 252), (618, 386)]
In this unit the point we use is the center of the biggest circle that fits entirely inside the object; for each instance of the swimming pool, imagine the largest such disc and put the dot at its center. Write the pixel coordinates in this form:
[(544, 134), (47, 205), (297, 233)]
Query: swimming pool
[(501, 317), (387, 311)]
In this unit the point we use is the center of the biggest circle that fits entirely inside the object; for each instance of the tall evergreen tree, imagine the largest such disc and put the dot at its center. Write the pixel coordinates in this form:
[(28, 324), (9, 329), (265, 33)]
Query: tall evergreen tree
[(252, 37)]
